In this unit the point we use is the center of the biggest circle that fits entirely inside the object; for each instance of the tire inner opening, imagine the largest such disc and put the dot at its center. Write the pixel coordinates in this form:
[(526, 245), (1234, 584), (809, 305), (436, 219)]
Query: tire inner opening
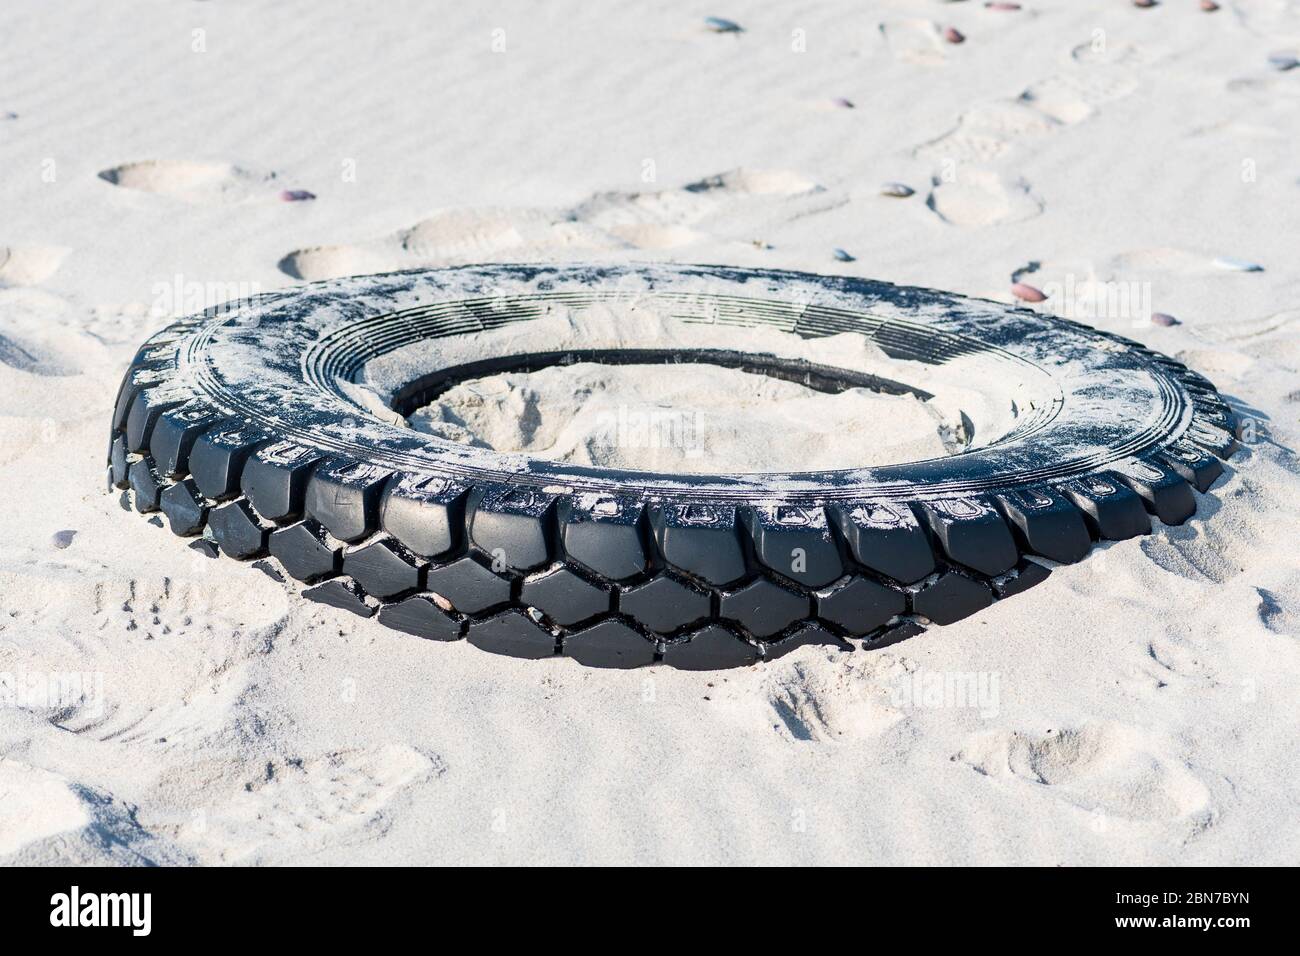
[(701, 411)]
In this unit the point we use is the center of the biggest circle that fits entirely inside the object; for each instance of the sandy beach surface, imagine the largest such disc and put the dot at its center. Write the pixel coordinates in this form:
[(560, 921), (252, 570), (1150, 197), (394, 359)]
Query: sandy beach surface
[(1138, 707)]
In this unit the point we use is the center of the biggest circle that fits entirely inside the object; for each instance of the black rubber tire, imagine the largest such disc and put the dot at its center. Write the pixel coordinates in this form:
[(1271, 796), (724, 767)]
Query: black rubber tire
[(237, 425)]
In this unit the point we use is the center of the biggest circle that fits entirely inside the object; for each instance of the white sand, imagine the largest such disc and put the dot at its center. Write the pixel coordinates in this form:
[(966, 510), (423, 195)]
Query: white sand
[(1141, 706)]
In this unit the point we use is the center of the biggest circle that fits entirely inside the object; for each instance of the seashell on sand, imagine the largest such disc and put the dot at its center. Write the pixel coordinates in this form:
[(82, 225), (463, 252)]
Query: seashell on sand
[(1027, 293), (722, 25)]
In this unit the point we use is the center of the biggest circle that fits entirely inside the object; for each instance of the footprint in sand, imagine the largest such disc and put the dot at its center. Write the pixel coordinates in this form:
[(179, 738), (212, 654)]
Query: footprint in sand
[(605, 222), (991, 130), (979, 197), (1071, 98), (29, 265), (450, 237), (192, 649), (1219, 548), (914, 41), (194, 181), (806, 701), (295, 804), (986, 131), (1099, 767), (33, 334)]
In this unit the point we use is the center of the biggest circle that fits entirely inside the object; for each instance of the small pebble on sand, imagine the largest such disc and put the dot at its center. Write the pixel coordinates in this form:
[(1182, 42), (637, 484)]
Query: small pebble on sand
[(953, 35), (61, 539), (722, 25), (1237, 265), (897, 190), (843, 256), (296, 195), (1163, 318), (1027, 293)]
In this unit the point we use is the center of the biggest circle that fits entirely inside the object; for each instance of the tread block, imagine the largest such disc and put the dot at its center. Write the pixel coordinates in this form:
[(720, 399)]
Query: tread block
[(1218, 441), (860, 606), (710, 648), (384, 568), (306, 551), (810, 634), (426, 513), (421, 616), (564, 597), (118, 466), (275, 477), (184, 507), (605, 534), (135, 381), (516, 526), (609, 644), (1194, 464), (763, 608), (344, 496), (148, 407), (146, 485), (238, 531), (1024, 577), (218, 456), (1048, 523), (1112, 510), (664, 604), (469, 586), (702, 540), (796, 542), (973, 533), (887, 538), (951, 597), (174, 434), (514, 634), (893, 635), (1164, 492), (342, 593), (1214, 411)]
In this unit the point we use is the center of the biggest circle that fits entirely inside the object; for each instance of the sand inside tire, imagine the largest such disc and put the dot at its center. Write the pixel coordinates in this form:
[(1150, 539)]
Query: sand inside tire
[(692, 418)]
